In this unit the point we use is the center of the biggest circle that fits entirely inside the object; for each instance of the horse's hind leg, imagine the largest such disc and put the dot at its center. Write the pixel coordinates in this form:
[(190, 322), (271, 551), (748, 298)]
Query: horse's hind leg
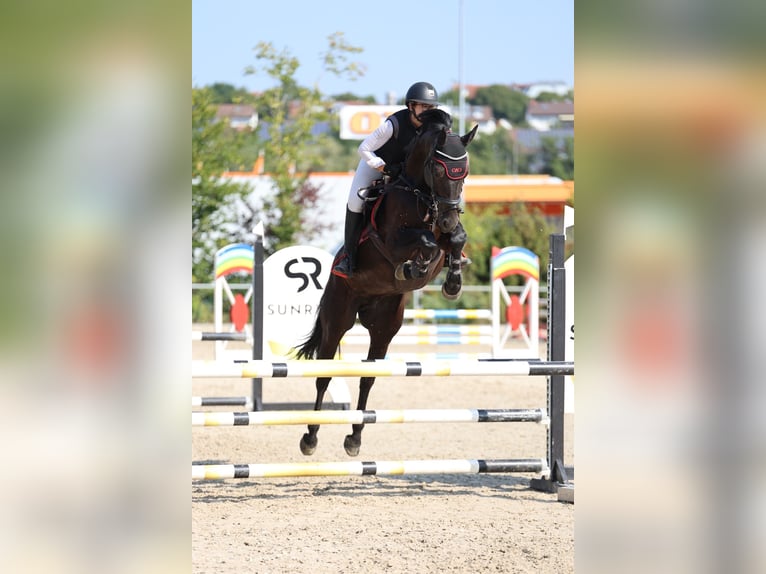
[(309, 440), (383, 321), (336, 316)]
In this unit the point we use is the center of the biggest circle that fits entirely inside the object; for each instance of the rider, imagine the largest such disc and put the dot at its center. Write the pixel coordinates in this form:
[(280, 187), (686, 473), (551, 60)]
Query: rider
[(382, 149)]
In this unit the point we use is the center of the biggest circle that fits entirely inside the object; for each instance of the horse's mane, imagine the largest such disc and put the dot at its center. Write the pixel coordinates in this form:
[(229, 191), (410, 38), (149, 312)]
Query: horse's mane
[(436, 117)]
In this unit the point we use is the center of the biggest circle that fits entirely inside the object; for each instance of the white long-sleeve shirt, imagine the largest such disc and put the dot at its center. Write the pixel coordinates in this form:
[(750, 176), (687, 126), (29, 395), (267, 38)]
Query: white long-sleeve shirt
[(374, 142)]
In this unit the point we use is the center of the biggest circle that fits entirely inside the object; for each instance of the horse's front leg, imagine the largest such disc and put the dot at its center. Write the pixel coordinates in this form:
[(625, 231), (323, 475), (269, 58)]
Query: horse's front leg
[(453, 283), (421, 249), (309, 440)]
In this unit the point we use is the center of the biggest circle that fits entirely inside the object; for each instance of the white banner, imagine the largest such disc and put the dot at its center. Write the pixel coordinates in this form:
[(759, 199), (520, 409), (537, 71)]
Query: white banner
[(357, 122), (294, 279)]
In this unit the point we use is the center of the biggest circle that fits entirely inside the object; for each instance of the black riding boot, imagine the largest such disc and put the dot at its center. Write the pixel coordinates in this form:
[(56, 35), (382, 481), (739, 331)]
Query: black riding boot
[(353, 230)]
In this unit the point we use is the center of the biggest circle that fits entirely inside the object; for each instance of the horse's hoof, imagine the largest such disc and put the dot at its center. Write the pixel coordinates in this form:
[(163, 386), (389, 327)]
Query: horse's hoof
[(352, 445), (451, 296), (308, 444)]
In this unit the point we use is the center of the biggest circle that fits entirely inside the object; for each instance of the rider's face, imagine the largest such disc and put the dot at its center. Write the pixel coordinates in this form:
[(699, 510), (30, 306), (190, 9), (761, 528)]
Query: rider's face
[(417, 108)]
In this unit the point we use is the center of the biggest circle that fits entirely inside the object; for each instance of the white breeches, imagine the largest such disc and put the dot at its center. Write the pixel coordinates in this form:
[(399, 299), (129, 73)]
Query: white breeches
[(363, 177)]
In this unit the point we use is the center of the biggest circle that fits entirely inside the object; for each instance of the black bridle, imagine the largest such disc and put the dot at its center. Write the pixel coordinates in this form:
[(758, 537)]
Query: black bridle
[(455, 164), (455, 168)]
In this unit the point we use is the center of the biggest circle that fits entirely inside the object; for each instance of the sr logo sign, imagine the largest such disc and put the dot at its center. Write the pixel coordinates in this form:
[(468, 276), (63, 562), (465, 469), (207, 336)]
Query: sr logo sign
[(293, 283), (305, 269)]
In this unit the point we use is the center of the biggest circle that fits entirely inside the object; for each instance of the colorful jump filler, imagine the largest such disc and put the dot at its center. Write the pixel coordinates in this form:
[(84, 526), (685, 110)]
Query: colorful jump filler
[(522, 312), (230, 260)]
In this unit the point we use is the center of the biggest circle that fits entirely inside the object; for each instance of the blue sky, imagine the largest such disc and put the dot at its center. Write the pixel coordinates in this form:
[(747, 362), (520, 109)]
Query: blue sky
[(504, 41)]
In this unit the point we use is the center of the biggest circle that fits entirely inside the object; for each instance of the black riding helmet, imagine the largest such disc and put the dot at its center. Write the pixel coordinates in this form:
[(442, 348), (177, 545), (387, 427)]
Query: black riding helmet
[(422, 92)]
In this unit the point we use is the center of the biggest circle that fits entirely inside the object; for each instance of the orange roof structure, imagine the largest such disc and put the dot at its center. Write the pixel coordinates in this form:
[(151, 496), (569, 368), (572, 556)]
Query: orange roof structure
[(510, 188), (539, 189)]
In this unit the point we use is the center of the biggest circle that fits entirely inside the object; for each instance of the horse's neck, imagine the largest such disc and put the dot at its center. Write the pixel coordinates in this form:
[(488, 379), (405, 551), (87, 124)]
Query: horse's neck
[(409, 181), (400, 207)]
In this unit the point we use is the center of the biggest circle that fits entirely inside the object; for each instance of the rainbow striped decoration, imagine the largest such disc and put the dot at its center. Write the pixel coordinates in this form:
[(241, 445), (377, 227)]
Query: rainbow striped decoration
[(234, 258), (514, 261)]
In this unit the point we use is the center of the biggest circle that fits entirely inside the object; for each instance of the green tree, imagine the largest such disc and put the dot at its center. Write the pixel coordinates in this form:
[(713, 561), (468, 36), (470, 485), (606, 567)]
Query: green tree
[(505, 102), (495, 153), (292, 149), (337, 154), (496, 226), (501, 226), (552, 97), (214, 148), (450, 98), (222, 93), (558, 160), (351, 97)]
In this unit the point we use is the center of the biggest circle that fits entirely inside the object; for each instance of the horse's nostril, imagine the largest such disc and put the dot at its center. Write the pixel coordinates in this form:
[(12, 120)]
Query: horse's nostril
[(447, 224)]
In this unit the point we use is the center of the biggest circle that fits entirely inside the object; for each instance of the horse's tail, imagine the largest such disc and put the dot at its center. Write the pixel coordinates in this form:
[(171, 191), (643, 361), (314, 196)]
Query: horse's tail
[(308, 349)]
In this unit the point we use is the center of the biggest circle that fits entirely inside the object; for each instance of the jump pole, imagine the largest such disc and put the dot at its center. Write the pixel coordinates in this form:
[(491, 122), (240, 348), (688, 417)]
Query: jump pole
[(362, 468), (209, 419), (448, 313), (214, 336), (221, 402), (379, 368), (559, 475), (257, 311)]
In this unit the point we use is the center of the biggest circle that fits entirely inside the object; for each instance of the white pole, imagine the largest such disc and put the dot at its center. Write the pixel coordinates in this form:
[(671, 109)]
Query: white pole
[(461, 86)]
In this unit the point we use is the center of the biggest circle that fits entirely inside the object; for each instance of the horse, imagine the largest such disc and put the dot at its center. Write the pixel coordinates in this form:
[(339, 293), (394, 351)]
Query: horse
[(413, 231)]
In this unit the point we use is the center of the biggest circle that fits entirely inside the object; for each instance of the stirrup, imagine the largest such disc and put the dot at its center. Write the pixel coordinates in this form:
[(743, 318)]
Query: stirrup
[(344, 267), (371, 193)]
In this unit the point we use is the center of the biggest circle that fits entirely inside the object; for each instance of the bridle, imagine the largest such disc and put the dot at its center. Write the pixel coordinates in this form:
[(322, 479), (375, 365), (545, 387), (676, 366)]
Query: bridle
[(456, 168), (455, 164)]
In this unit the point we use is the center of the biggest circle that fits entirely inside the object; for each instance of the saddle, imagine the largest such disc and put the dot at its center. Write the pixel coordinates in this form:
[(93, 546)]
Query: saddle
[(372, 192)]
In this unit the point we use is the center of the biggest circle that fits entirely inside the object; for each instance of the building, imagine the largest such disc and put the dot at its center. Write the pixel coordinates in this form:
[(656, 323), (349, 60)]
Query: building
[(544, 116), (549, 194), (533, 90), (239, 116)]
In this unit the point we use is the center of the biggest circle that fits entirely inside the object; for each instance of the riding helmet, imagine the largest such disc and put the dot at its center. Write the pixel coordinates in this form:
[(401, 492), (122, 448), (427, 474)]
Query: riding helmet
[(422, 92)]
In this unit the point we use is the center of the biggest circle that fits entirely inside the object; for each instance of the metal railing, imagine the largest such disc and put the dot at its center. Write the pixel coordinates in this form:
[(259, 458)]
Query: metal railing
[(417, 296)]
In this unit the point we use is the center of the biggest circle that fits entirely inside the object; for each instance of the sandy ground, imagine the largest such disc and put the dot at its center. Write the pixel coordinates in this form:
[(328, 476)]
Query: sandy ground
[(414, 524)]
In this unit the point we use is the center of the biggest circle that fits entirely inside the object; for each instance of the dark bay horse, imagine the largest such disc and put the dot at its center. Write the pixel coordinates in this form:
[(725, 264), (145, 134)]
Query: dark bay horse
[(414, 229)]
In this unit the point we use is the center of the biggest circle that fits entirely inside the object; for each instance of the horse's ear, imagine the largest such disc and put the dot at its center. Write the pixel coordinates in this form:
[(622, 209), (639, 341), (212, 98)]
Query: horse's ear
[(467, 138)]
